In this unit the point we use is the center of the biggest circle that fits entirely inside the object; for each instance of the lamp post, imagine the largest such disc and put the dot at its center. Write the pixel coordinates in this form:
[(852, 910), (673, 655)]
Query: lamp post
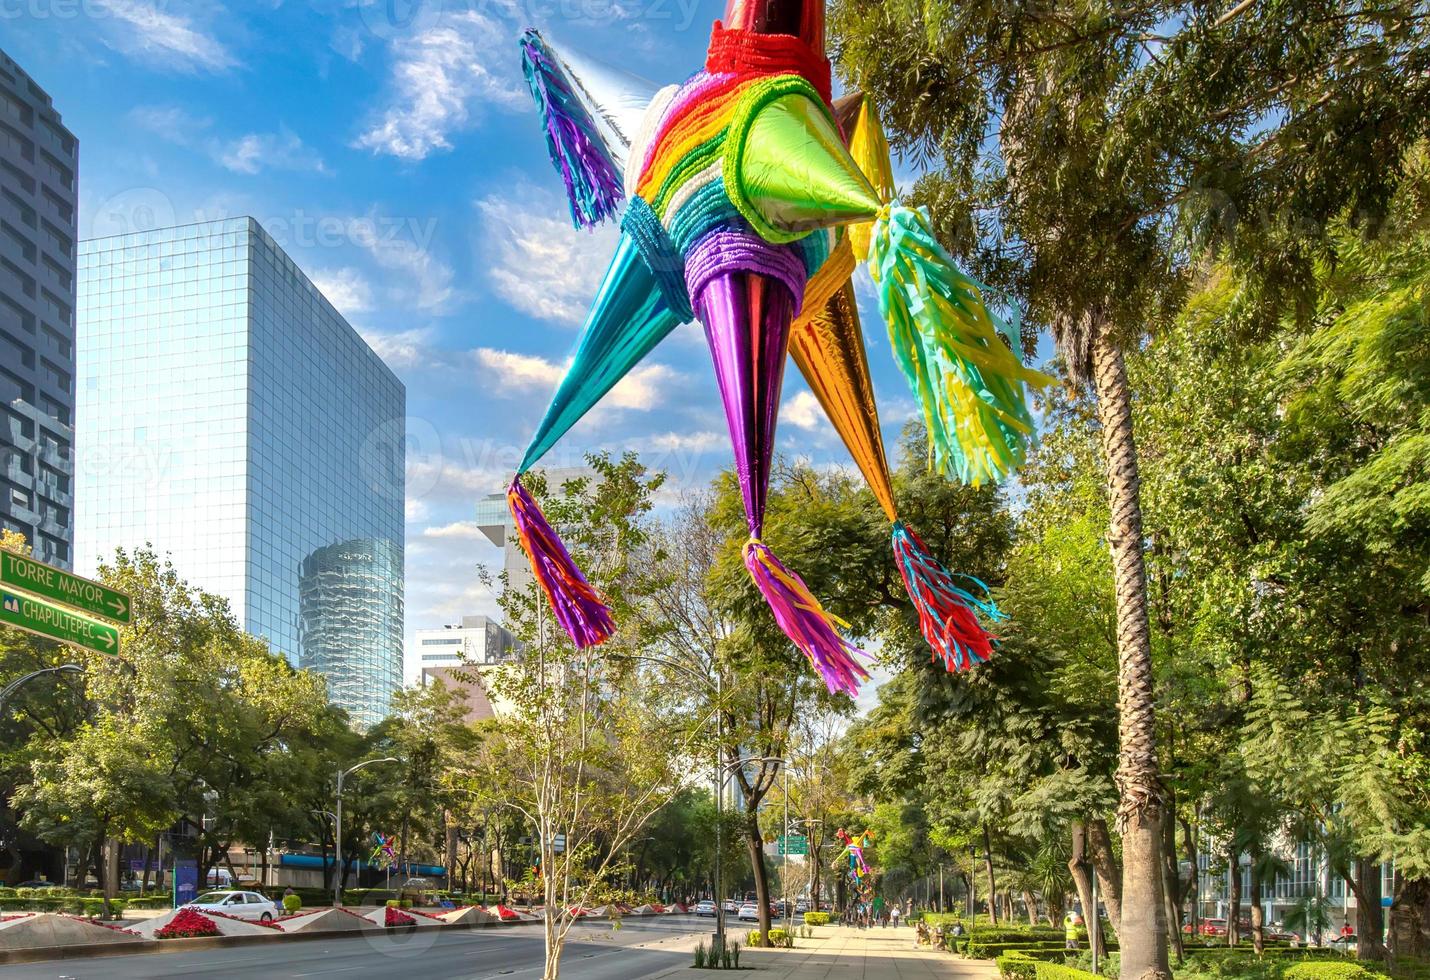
[(10, 688), (338, 827)]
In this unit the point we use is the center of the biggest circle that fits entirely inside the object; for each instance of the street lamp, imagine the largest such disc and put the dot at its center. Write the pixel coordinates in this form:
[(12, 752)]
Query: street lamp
[(338, 826), (17, 682)]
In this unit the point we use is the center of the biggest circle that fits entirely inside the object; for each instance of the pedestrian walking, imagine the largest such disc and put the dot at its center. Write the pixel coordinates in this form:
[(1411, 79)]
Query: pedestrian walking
[(1072, 929), (894, 915)]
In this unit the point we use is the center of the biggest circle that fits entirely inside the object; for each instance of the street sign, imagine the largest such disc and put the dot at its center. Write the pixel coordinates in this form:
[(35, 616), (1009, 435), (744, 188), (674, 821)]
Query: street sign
[(30, 614), (794, 845), (60, 586)]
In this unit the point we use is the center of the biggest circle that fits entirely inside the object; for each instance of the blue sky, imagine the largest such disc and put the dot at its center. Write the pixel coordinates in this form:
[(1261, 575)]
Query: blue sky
[(391, 147)]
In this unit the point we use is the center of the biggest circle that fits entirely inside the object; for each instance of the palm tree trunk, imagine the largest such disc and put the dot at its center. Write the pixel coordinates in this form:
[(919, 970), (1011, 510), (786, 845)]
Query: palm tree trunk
[(1143, 937)]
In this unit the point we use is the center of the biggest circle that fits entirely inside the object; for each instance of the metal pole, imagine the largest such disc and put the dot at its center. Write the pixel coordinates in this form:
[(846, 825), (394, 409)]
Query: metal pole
[(13, 685), (719, 814), (1094, 934), (940, 887), (338, 847), (784, 848)]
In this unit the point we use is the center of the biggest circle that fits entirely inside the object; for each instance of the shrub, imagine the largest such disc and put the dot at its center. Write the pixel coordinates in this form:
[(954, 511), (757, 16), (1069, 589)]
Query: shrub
[(816, 918), (187, 924), (781, 938), (1329, 971), (406, 903), (699, 956), (735, 956), (392, 903), (1017, 966), (291, 904), (395, 917)]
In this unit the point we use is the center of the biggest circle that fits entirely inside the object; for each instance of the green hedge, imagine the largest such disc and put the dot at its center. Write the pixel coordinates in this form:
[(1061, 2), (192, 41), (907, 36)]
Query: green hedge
[(88, 907), (1016, 965), (816, 918), (1330, 971), (979, 950)]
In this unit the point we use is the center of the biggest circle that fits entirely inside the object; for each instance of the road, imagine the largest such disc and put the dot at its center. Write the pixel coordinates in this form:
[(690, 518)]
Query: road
[(593, 952)]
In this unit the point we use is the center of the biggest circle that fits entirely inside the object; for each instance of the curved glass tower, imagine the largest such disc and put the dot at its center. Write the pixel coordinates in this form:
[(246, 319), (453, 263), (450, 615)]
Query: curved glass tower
[(229, 416)]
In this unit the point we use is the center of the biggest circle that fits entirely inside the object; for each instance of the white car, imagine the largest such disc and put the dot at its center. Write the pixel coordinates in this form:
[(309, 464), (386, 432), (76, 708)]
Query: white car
[(706, 907), (749, 912), (240, 905)]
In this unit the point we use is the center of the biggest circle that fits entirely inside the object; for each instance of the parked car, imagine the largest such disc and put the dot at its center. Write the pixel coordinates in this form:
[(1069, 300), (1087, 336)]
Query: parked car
[(731, 906), (240, 905), (38, 883), (706, 907), (749, 912), (802, 906)]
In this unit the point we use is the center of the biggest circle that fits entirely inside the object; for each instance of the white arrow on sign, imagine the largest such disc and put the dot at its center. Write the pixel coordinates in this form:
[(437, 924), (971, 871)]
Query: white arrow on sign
[(118, 606)]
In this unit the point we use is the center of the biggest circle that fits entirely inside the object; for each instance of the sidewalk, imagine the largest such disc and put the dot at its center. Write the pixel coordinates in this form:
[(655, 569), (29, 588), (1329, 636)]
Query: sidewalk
[(842, 953)]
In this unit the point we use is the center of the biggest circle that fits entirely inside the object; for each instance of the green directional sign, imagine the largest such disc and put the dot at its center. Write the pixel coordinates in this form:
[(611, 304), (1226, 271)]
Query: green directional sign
[(55, 584), (794, 845), (38, 616)]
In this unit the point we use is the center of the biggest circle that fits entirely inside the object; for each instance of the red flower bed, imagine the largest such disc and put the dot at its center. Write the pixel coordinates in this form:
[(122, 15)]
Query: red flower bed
[(429, 915), (507, 914), (397, 917), (188, 924)]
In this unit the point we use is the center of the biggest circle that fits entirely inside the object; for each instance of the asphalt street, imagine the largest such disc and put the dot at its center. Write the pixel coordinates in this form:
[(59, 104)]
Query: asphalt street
[(594, 951)]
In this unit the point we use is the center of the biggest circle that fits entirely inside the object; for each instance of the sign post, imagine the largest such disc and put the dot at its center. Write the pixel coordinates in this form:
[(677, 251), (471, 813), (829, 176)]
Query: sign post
[(794, 845), (57, 585), (50, 602), (32, 615)]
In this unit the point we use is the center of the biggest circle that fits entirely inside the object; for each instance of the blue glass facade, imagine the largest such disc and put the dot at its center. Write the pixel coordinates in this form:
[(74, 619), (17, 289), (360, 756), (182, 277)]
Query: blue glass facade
[(229, 416)]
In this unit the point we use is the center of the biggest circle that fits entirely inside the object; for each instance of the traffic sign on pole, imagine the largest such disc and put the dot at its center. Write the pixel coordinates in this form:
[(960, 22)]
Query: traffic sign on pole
[(60, 586), (794, 845), (39, 617)]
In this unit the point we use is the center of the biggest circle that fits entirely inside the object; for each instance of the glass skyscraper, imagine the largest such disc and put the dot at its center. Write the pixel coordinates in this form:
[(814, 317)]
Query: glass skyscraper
[(230, 417)]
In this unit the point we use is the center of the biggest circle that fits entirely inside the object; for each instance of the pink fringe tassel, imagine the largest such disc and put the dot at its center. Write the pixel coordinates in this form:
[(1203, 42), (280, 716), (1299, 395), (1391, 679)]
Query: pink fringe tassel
[(805, 621)]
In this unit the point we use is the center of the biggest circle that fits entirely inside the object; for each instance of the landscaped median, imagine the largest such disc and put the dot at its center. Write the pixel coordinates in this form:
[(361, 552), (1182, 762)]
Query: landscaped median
[(30, 936)]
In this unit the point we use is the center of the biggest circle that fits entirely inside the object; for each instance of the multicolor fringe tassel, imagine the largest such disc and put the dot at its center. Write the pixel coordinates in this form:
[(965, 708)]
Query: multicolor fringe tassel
[(579, 608), (593, 179), (948, 344), (804, 620), (946, 612)]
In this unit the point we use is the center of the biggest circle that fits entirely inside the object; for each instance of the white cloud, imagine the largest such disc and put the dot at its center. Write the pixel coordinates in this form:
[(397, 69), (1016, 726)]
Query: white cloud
[(536, 261), (673, 442), (803, 411), (400, 349), (414, 511), (249, 153), (526, 371), (426, 279), (467, 530), (346, 289), (255, 152), (171, 122), (644, 388), (147, 31), (441, 76)]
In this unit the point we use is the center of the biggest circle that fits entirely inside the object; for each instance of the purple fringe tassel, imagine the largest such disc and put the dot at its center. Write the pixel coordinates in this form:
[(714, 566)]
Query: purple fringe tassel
[(593, 179)]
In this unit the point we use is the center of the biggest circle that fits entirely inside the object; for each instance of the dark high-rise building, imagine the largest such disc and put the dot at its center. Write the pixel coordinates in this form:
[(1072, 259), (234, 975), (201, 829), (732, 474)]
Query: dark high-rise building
[(39, 162)]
